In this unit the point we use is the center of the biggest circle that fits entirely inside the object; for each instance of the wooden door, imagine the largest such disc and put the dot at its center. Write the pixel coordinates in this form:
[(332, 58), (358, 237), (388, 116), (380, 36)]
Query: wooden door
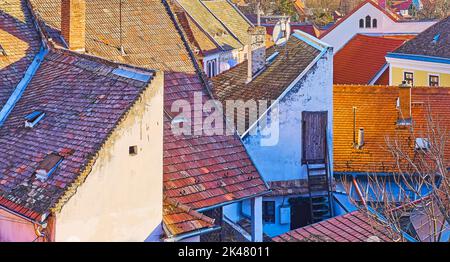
[(314, 137), (300, 212)]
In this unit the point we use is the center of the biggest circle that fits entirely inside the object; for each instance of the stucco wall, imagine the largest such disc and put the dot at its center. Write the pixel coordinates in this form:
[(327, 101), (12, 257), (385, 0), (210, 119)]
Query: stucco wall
[(121, 199), (340, 35), (15, 229), (314, 92)]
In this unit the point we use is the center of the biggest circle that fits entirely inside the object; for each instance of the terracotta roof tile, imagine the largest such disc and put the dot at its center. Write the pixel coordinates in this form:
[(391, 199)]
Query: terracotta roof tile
[(160, 46), (359, 61), (376, 112), (77, 122), (181, 219), (352, 227)]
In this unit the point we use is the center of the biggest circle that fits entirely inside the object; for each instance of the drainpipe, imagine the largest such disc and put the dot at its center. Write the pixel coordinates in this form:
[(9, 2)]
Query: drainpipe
[(20, 88), (358, 191)]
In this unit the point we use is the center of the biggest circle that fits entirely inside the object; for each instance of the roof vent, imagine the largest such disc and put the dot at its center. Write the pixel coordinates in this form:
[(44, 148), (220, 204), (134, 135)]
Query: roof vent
[(2, 51), (436, 38), (32, 119), (48, 166)]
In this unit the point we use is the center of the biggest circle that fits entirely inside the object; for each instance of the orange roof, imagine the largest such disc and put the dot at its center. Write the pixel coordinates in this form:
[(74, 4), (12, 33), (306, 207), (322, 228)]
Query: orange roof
[(391, 15), (359, 61), (181, 219), (376, 112)]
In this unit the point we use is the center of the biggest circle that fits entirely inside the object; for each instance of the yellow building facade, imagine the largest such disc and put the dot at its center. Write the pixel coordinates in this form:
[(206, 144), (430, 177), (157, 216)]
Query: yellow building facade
[(418, 71)]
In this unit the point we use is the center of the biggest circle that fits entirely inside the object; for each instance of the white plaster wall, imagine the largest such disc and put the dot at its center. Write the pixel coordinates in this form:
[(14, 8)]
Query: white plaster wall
[(313, 93), (345, 31), (121, 198)]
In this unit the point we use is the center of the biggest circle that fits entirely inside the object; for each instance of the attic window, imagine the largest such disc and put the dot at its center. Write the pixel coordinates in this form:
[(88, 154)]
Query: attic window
[(133, 150), (422, 144), (32, 119), (48, 166), (2, 51), (361, 23), (368, 20)]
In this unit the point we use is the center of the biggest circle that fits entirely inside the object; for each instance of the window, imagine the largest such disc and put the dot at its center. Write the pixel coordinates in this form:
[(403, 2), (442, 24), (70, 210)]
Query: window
[(133, 150), (374, 23), (33, 119), (269, 211), (433, 80), (368, 19), (408, 77), (211, 68), (361, 23), (48, 166)]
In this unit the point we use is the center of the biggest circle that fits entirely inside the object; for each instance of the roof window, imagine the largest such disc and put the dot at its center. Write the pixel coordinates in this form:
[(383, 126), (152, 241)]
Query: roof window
[(32, 119), (422, 144), (48, 166), (436, 38)]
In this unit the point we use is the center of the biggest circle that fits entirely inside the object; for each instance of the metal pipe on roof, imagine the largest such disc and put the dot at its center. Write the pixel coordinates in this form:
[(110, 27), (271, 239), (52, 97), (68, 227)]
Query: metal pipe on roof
[(358, 191)]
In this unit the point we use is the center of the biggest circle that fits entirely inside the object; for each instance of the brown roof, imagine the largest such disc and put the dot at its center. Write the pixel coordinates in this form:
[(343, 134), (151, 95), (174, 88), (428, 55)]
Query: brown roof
[(200, 171), (270, 83), (424, 43), (376, 112), (210, 24), (83, 101), (231, 18), (181, 219), (353, 227), (19, 41)]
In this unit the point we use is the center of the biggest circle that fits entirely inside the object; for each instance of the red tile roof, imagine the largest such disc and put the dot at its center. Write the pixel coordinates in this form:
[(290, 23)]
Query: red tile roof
[(83, 101), (200, 171), (362, 58), (390, 15), (181, 219), (353, 227), (20, 43), (376, 112)]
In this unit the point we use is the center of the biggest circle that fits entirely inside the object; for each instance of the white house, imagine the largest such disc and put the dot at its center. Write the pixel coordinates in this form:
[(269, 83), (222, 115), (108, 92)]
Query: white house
[(293, 149), (370, 18)]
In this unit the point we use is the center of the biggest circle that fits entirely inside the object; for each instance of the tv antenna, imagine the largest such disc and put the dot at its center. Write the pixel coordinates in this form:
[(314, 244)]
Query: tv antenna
[(122, 51), (282, 32)]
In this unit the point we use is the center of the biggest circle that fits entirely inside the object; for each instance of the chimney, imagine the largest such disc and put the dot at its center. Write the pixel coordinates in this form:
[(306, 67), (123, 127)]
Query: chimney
[(404, 103), (73, 23), (256, 51)]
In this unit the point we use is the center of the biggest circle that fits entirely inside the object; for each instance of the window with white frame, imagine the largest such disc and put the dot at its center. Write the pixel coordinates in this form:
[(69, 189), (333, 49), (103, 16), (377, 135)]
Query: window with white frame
[(211, 68)]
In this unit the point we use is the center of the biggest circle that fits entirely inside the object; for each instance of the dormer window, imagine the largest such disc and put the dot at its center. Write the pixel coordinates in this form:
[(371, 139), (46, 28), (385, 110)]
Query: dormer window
[(33, 119), (48, 166), (368, 21), (2, 51)]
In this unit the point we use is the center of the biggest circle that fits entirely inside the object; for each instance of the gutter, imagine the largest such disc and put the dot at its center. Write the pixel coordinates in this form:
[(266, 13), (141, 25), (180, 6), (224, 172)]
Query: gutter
[(22, 216), (422, 58), (20, 88), (232, 201), (178, 238), (384, 221)]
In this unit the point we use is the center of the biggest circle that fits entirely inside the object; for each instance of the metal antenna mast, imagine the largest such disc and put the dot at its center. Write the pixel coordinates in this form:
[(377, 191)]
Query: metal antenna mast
[(122, 51)]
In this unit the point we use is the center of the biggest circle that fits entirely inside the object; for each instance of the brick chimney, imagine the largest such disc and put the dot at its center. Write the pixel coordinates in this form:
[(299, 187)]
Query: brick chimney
[(73, 23), (256, 51), (404, 105)]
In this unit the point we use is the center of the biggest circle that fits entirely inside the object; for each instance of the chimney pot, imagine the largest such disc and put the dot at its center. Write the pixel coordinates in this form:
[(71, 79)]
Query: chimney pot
[(73, 24), (404, 103)]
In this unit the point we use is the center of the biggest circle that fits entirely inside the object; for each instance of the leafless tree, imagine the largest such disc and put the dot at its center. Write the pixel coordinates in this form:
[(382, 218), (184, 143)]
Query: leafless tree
[(421, 205)]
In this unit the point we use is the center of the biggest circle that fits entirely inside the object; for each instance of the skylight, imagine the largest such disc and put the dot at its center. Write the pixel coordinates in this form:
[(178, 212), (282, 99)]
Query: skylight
[(48, 166), (436, 38), (32, 119)]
